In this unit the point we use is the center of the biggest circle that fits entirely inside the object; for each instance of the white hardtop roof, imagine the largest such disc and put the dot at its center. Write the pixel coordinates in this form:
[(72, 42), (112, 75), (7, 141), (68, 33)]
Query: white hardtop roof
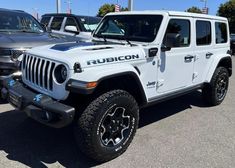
[(170, 13)]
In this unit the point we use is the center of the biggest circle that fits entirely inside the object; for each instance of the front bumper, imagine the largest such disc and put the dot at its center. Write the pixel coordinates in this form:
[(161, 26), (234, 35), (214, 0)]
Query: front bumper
[(8, 68), (40, 107)]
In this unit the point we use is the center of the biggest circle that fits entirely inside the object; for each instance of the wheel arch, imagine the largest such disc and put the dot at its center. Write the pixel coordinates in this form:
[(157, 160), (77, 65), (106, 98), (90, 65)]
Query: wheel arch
[(128, 81), (225, 61)]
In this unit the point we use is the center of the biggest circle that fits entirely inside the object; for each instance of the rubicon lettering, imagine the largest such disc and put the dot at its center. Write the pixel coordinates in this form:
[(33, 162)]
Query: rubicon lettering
[(112, 59)]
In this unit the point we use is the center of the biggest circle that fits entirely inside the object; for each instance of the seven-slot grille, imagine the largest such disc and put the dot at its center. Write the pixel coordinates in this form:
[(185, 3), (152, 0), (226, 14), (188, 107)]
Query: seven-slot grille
[(38, 71)]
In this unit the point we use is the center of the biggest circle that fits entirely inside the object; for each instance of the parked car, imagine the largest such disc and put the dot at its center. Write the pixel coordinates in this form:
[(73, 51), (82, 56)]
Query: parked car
[(232, 37), (19, 31), (71, 25), (136, 59)]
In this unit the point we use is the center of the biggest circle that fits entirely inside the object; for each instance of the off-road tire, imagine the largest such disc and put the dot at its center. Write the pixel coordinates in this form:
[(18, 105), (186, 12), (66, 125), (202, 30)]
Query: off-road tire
[(87, 129), (209, 91)]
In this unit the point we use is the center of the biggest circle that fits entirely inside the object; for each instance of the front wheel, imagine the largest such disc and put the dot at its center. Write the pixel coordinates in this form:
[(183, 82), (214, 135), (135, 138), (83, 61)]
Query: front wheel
[(107, 126), (215, 92)]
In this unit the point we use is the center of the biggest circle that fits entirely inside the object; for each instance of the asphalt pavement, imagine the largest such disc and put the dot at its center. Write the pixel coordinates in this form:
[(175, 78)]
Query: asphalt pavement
[(180, 133)]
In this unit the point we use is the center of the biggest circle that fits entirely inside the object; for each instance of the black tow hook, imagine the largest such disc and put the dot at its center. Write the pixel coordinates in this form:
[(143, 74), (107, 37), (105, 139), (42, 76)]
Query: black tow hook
[(48, 116)]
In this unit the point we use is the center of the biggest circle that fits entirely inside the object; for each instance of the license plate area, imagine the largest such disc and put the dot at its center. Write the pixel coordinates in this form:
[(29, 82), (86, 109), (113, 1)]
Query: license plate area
[(15, 99)]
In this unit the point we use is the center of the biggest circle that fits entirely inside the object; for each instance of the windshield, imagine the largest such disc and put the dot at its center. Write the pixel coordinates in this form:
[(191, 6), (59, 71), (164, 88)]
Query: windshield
[(14, 22), (89, 24), (143, 28)]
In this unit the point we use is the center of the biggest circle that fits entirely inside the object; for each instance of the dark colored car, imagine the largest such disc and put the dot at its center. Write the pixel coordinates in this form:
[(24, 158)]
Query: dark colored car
[(233, 43), (71, 25), (19, 31)]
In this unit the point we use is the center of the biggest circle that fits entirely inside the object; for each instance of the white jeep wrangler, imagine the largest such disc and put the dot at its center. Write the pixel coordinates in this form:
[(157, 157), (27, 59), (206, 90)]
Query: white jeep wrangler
[(136, 59)]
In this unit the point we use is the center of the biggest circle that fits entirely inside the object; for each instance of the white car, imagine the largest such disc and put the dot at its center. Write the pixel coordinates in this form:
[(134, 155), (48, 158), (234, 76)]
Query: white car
[(136, 59)]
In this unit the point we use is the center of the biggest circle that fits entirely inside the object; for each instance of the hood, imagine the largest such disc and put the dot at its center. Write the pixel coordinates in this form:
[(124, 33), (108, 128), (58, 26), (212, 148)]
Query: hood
[(90, 54), (28, 40)]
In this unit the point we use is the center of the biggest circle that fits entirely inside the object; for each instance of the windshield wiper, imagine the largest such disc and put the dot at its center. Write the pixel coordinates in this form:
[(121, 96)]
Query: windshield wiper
[(128, 41), (101, 36)]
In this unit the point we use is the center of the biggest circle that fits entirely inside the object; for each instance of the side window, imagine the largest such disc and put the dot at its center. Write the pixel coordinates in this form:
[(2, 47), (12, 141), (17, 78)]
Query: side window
[(203, 32), (71, 22), (177, 33), (56, 23), (45, 20), (221, 33)]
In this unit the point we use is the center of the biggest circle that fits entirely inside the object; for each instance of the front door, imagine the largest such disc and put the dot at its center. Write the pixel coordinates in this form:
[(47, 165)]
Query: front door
[(176, 66)]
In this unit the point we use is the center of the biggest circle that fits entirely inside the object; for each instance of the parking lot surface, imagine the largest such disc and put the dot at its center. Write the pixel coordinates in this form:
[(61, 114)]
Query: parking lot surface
[(183, 132)]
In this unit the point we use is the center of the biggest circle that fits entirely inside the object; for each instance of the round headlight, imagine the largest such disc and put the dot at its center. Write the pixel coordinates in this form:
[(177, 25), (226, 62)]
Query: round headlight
[(61, 73)]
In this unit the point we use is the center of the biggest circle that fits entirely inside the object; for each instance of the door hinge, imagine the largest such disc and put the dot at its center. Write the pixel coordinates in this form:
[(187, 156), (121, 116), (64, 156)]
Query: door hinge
[(195, 74), (160, 82), (158, 62)]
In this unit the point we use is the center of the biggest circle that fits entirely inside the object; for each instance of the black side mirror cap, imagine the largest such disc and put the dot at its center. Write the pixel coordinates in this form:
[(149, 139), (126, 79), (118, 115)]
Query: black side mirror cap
[(45, 28), (165, 48)]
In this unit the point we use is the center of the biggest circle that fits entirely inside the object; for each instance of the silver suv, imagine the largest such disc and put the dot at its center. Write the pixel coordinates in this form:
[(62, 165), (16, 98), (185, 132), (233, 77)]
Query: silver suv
[(71, 26)]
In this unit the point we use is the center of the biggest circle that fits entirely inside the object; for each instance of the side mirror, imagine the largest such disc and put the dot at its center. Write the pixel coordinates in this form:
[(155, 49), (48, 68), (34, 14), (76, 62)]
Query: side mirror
[(45, 28), (72, 29), (165, 48), (170, 40)]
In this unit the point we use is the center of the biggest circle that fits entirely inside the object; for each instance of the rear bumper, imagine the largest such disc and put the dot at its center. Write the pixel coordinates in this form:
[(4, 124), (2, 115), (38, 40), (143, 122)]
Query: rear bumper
[(40, 107)]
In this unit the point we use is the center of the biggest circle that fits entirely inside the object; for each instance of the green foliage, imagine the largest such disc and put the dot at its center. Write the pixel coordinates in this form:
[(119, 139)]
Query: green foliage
[(194, 9), (228, 10), (107, 8)]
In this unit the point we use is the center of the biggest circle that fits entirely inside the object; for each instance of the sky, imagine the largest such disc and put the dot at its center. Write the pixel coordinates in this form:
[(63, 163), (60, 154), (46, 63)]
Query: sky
[(90, 7)]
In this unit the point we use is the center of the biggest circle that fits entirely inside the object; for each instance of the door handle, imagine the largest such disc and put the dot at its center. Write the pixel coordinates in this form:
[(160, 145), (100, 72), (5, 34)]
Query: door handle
[(188, 58), (208, 55)]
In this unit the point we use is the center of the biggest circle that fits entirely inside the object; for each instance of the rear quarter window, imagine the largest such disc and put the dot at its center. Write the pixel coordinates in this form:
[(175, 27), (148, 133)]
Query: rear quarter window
[(221, 33)]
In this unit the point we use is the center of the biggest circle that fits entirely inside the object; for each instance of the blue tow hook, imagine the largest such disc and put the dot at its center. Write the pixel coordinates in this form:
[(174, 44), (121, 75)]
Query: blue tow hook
[(38, 98), (11, 83)]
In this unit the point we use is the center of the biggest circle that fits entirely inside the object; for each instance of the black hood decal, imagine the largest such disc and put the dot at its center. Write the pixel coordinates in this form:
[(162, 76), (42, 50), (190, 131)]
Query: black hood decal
[(70, 46)]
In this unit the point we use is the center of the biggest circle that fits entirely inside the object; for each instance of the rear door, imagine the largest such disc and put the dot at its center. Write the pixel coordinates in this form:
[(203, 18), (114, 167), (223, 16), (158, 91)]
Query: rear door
[(204, 51), (176, 67)]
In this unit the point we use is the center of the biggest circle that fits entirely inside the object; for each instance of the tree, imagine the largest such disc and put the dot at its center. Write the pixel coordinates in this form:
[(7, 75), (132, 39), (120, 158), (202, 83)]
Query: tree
[(107, 8), (228, 10), (194, 9)]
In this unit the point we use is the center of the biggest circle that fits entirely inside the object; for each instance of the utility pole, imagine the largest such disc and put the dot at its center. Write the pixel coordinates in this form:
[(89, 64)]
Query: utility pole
[(130, 5), (205, 10), (69, 11), (58, 6), (35, 13)]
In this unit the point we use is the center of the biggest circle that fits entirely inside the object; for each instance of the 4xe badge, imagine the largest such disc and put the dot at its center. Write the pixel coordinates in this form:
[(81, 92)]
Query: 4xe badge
[(151, 85), (11, 83), (38, 98)]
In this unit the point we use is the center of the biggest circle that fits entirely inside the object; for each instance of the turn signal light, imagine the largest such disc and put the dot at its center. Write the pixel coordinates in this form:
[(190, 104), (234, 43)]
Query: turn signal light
[(91, 85)]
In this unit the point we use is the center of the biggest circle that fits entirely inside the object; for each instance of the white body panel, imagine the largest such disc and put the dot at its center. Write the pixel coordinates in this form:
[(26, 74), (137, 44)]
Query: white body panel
[(159, 75)]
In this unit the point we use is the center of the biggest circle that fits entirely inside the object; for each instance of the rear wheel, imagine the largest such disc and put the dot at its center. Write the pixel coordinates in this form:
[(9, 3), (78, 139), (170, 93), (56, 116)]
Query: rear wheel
[(107, 126), (215, 92)]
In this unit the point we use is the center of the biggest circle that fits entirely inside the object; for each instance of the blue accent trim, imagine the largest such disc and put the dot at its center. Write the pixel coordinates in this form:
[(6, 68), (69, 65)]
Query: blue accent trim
[(70, 46), (37, 98), (11, 83)]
